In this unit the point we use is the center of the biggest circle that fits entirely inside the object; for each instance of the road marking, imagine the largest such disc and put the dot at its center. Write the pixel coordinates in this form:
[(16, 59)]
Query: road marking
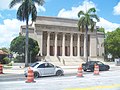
[(96, 87)]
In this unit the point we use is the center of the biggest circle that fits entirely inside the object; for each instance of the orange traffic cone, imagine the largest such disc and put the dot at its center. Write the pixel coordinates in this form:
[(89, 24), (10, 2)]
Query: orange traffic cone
[(30, 76), (80, 74), (1, 69), (96, 69)]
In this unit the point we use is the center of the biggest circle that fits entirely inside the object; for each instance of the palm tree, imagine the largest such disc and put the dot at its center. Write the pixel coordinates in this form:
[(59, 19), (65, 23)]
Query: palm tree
[(26, 9), (85, 21)]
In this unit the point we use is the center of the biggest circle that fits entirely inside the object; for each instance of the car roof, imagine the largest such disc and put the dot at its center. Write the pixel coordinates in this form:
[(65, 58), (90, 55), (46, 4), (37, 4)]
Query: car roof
[(41, 62), (93, 61), (38, 63)]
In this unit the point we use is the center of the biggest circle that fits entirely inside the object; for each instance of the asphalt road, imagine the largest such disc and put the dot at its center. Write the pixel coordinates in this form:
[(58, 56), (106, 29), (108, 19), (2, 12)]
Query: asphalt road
[(107, 80), (18, 74), (12, 77)]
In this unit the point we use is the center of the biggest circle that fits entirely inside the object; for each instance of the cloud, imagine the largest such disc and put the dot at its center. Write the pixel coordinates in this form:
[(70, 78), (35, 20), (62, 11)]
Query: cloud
[(116, 9), (4, 5), (8, 31), (40, 8), (72, 13), (74, 10), (107, 25)]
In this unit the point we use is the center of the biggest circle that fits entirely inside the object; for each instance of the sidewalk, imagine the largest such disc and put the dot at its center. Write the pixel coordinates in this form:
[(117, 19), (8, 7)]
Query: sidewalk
[(18, 70)]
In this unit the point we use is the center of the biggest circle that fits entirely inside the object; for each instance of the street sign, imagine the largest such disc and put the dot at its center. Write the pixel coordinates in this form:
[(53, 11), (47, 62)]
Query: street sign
[(109, 55), (10, 55)]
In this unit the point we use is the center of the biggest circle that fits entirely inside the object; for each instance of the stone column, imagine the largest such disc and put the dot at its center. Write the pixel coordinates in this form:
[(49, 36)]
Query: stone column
[(40, 41), (71, 45), (85, 46), (48, 44), (93, 46), (55, 44), (63, 45), (78, 45)]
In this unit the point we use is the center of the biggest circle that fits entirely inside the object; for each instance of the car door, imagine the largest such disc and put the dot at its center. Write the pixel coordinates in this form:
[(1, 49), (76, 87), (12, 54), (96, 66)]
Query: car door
[(41, 69), (101, 66), (49, 69)]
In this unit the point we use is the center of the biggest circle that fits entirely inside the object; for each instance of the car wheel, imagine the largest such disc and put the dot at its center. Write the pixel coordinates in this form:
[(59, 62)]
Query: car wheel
[(36, 74), (59, 73), (85, 70), (25, 75)]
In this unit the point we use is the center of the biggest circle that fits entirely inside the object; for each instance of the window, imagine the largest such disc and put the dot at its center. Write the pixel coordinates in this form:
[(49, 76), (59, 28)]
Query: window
[(34, 64), (92, 63), (41, 66), (99, 63), (48, 65)]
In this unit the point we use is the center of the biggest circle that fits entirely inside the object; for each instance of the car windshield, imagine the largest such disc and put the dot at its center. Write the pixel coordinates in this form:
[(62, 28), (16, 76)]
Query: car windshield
[(34, 64), (100, 63)]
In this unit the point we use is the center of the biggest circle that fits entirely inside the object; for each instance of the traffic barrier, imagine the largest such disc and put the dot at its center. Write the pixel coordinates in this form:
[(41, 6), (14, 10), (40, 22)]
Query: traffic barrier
[(1, 69), (80, 74), (30, 76), (96, 69)]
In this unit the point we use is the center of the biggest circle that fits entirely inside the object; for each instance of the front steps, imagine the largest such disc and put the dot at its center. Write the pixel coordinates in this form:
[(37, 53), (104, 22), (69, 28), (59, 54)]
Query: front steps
[(64, 60), (68, 60)]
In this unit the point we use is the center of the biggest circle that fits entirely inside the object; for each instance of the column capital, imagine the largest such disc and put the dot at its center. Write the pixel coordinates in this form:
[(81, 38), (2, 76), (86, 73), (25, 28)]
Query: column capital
[(63, 33), (56, 32), (71, 33), (79, 34), (48, 33)]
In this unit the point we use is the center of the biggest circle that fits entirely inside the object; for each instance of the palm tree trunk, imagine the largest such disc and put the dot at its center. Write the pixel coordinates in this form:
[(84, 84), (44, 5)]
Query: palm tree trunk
[(26, 45), (86, 36)]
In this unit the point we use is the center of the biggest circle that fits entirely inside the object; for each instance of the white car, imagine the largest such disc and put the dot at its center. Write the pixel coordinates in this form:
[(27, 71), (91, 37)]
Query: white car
[(44, 69)]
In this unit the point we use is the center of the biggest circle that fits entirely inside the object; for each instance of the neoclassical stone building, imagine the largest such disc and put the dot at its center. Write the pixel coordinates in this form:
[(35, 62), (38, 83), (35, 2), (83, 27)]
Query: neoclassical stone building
[(60, 39)]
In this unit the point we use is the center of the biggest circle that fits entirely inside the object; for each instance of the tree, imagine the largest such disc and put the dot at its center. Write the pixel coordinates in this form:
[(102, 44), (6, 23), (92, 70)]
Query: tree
[(3, 55), (86, 20), (101, 30), (26, 9), (112, 43), (6, 50), (18, 46)]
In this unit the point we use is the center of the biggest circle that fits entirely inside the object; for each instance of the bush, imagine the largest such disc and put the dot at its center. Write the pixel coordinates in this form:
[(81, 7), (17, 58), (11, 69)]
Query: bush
[(5, 60), (19, 59)]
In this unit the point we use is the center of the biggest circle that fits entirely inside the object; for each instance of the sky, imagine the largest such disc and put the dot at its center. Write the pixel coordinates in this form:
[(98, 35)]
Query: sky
[(107, 10)]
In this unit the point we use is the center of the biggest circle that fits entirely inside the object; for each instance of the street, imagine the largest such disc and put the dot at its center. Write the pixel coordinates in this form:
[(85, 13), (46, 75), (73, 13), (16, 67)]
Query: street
[(107, 80), (18, 74)]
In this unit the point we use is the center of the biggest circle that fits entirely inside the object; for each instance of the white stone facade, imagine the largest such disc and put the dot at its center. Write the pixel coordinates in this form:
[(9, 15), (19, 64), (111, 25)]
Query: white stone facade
[(60, 37)]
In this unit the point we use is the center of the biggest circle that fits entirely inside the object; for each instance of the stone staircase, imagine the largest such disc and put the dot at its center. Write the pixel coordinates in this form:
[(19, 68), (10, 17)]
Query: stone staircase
[(68, 61), (72, 61), (63, 60)]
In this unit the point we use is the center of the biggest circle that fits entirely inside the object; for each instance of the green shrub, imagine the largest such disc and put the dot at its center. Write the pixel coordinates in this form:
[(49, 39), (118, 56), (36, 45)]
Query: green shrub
[(6, 60)]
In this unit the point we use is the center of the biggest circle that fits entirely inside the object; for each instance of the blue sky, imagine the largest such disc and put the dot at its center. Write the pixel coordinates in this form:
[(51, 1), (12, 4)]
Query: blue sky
[(107, 10)]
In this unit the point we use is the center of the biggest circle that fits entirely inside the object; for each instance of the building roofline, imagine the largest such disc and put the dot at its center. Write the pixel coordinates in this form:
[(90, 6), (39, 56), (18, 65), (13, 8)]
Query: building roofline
[(58, 18)]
